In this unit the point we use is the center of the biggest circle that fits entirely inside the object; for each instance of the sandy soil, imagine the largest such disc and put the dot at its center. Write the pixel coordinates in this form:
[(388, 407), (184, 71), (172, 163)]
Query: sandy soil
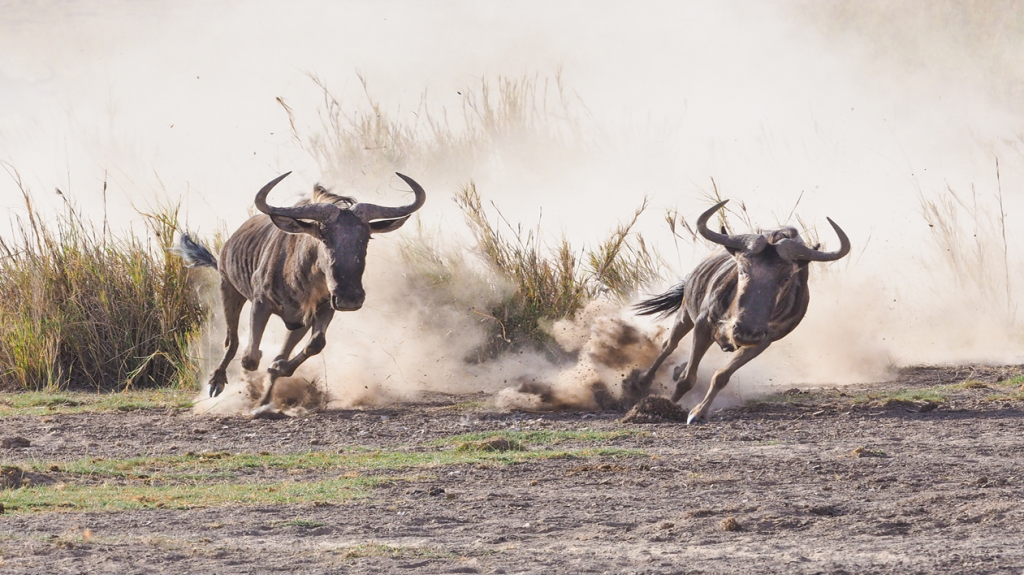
[(815, 484)]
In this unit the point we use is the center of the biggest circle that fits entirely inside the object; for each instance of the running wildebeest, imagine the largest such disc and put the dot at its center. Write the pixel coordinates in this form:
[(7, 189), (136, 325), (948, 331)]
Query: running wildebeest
[(301, 263), (744, 297)]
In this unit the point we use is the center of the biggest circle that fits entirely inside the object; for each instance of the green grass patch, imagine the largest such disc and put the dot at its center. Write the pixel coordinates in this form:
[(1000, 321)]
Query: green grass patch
[(374, 549), (969, 384), (1012, 396), (935, 394), (209, 464), (1016, 381), (215, 479), (46, 403), (302, 523), (539, 437), (108, 497)]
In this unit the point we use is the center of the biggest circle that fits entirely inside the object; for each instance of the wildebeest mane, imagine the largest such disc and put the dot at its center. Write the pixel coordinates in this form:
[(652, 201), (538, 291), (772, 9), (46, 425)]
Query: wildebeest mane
[(320, 195)]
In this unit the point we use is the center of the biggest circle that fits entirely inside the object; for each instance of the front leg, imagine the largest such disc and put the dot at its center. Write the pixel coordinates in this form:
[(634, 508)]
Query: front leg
[(721, 379), (257, 324), (293, 339), (317, 341), (685, 375)]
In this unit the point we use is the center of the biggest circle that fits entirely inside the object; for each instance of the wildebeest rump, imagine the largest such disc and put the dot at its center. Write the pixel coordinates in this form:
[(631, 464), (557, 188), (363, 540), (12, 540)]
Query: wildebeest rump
[(744, 297), (301, 263)]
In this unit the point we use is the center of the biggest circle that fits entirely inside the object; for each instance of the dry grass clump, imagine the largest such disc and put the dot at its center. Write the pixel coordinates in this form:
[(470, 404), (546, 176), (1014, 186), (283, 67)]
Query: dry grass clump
[(81, 308), (504, 116), (970, 234), (530, 284)]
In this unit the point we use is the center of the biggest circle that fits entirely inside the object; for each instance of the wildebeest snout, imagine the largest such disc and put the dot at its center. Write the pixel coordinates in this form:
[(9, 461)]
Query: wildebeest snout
[(348, 302)]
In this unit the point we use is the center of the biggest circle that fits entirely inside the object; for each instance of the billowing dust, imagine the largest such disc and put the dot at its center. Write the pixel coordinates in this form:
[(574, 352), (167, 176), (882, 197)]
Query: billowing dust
[(404, 343), (408, 340)]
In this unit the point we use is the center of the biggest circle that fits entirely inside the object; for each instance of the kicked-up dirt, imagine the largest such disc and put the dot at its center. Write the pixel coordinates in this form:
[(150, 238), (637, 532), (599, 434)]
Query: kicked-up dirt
[(851, 480)]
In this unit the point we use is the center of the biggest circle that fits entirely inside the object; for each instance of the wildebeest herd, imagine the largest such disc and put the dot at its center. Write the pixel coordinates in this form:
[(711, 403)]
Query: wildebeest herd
[(304, 262)]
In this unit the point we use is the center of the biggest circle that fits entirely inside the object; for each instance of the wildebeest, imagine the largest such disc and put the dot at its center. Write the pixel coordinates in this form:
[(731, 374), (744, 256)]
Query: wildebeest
[(744, 297), (300, 263)]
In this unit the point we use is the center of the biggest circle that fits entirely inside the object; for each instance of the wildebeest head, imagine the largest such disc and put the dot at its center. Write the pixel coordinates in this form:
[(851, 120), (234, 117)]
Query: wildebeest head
[(767, 265), (343, 234)]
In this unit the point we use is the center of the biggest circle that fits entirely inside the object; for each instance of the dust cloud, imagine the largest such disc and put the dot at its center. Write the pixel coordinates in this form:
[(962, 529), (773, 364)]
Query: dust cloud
[(888, 117)]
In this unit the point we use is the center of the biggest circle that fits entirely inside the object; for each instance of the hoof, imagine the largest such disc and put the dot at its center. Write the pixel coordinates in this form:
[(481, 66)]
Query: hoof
[(217, 383), (279, 369), (251, 363), (268, 411), (678, 371), (695, 419)]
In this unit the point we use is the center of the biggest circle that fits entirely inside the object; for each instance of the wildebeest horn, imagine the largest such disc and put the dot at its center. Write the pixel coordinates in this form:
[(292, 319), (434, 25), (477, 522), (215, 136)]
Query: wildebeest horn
[(754, 243), (318, 212), (794, 251), (369, 212)]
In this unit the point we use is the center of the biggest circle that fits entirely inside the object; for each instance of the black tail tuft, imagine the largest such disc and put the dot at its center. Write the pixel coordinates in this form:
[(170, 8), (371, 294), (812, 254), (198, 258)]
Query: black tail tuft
[(194, 253), (665, 304)]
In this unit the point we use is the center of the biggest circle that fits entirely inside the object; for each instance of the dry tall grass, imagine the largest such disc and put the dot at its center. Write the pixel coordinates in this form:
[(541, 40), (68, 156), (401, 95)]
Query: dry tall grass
[(528, 283), (503, 116), (969, 232), (81, 308)]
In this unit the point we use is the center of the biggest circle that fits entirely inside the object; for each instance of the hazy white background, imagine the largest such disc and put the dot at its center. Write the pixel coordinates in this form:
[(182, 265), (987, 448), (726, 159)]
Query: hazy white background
[(864, 107)]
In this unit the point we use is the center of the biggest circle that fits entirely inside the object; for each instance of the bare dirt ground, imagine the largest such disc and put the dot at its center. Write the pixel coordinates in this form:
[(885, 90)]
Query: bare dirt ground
[(818, 482)]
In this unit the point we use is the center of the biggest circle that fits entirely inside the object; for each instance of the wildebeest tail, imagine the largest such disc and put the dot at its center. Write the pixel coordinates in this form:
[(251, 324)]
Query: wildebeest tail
[(194, 253), (665, 304)]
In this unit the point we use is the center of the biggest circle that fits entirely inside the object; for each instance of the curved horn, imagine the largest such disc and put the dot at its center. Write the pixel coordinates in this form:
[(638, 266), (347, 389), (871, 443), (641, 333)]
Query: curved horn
[(370, 212), (793, 250), (318, 212), (747, 242)]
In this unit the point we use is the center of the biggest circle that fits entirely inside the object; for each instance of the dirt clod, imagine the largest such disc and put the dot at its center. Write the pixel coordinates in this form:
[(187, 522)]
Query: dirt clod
[(654, 409), (730, 524), (14, 442), (11, 476), (865, 452)]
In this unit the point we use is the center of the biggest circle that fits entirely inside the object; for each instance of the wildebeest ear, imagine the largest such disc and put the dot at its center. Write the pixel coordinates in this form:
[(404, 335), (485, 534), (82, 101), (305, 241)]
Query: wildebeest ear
[(381, 226), (294, 226), (732, 251)]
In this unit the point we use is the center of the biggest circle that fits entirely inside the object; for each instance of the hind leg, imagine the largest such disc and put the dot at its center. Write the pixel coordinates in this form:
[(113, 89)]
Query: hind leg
[(260, 314), (233, 302), (637, 384)]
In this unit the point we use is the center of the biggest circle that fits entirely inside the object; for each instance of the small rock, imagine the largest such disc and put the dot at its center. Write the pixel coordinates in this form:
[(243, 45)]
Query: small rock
[(730, 524), (865, 452)]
